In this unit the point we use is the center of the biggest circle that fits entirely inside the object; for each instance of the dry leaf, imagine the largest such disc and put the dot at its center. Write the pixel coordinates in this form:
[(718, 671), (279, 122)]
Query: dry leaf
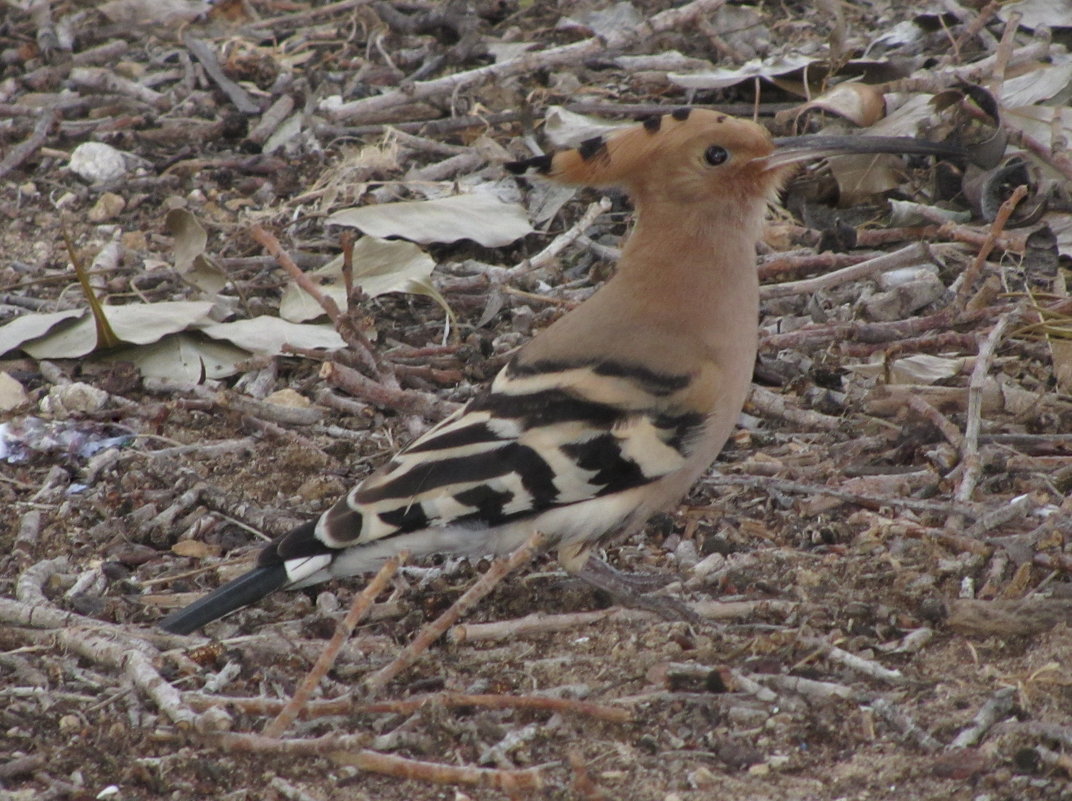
[(566, 128), (921, 368), (29, 327), (860, 103), (182, 357), (136, 323), (750, 70), (266, 335), (190, 259), (379, 266), (478, 216)]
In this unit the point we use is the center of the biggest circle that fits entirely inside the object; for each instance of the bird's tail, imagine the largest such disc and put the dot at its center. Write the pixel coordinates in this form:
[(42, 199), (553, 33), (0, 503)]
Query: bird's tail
[(244, 590)]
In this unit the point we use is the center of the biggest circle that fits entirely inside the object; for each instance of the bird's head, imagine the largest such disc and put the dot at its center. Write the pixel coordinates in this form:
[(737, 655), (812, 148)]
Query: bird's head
[(701, 156)]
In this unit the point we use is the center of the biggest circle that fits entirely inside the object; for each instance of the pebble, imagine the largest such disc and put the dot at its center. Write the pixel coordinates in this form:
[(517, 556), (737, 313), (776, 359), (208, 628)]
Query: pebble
[(97, 162)]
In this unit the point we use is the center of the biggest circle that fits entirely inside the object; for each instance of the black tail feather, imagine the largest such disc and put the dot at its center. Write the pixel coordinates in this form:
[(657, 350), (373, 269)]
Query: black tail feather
[(244, 590)]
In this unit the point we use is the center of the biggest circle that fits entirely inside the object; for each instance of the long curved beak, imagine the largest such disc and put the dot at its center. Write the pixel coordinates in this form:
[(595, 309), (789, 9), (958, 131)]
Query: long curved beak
[(794, 149)]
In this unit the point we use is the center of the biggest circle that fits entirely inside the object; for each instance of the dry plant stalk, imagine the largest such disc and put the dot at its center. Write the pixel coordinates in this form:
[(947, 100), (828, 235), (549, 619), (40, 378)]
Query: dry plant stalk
[(357, 341), (971, 274), (575, 53), (970, 450), (348, 705), (509, 781), (362, 603), (610, 714), (499, 569)]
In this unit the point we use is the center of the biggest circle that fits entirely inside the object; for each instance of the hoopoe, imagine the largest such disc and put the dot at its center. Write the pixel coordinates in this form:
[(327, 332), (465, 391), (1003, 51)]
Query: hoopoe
[(611, 413)]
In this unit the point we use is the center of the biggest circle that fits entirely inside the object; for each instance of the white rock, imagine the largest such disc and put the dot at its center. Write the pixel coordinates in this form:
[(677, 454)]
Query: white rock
[(76, 398), (12, 393), (97, 162)]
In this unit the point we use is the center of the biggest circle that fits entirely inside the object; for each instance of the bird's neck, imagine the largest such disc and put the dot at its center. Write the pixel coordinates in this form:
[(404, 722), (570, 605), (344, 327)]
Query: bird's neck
[(697, 262)]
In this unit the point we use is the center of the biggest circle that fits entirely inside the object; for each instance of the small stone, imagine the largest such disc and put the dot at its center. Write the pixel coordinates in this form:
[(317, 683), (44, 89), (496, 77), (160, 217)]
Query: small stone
[(318, 488), (213, 720), (702, 779), (327, 603), (97, 162), (70, 724), (134, 240), (195, 549), (12, 393), (107, 207), (76, 398), (289, 398)]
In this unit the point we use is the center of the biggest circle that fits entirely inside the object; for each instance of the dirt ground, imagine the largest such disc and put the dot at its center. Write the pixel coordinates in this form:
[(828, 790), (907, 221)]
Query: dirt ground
[(883, 550)]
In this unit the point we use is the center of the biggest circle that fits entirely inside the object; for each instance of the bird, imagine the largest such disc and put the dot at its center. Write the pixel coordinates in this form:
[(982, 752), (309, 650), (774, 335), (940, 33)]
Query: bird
[(611, 413)]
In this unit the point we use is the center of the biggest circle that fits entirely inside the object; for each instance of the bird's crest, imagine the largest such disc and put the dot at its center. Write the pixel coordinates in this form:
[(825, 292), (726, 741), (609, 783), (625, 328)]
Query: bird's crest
[(642, 152)]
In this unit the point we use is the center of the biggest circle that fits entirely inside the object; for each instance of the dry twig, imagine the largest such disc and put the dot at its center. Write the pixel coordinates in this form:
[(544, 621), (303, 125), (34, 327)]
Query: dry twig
[(499, 569), (362, 602), (970, 452)]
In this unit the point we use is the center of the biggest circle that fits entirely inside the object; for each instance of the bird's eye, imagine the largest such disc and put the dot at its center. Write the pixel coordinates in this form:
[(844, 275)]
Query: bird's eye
[(715, 155)]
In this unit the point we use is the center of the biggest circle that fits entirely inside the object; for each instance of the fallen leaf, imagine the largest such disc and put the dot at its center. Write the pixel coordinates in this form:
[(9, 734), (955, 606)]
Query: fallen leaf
[(289, 398), (921, 368), (476, 216), (750, 70), (565, 128), (379, 266), (266, 335), (29, 327), (191, 262), (182, 357), (860, 103), (135, 323)]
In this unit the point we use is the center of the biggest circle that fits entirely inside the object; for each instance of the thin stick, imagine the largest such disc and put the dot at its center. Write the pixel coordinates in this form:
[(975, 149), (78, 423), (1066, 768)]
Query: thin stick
[(563, 240), (970, 451), (902, 722), (362, 603), (541, 623), (775, 405), (507, 780), (1000, 704), (26, 148), (867, 667), (1004, 51), (925, 410), (971, 274), (767, 483), (407, 401), (295, 18), (612, 714), (916, 253), (970, 31), (348, 705), (499, 569), (575, 53), (357, 341)]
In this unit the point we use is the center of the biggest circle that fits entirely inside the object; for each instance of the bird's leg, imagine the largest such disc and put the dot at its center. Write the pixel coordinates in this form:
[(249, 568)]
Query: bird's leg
[(631, 590), (637, 582)]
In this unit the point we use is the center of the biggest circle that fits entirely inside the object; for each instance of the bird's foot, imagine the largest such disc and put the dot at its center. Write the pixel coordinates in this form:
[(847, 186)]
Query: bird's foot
[(632, 590)]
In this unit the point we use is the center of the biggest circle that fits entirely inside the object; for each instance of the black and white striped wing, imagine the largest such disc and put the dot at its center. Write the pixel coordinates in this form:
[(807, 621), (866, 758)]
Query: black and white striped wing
[(542, 436)]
